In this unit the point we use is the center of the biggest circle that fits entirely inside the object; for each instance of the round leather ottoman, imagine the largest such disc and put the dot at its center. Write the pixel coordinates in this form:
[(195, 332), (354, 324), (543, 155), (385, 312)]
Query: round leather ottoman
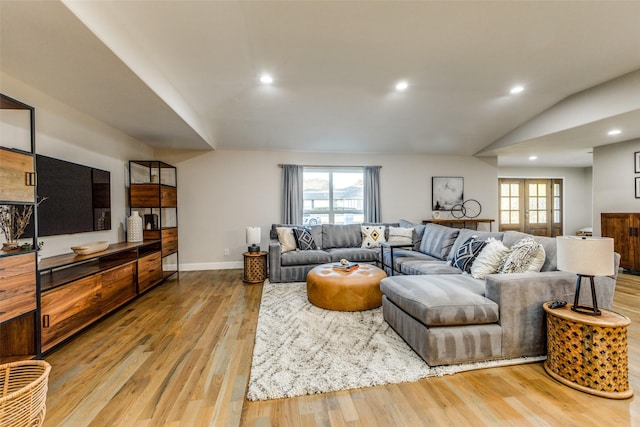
[(355, 290)]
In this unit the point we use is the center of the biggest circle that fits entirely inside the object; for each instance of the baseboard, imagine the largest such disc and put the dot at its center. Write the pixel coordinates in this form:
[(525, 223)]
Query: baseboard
[(197, 266)]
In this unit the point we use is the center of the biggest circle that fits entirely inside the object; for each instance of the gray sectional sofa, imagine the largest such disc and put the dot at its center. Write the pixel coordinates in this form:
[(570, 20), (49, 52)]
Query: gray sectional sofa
[(446, 315)]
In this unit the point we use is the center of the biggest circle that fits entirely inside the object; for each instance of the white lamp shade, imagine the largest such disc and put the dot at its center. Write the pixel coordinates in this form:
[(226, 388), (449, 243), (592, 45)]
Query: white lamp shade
[(587, 256), (253, 235)]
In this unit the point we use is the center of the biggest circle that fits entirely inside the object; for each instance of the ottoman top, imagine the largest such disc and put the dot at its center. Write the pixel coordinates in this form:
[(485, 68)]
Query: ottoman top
[(363, 270)]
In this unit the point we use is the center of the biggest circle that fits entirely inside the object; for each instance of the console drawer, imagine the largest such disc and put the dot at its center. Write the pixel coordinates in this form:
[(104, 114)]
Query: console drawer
[(17, 285), (149, 271)]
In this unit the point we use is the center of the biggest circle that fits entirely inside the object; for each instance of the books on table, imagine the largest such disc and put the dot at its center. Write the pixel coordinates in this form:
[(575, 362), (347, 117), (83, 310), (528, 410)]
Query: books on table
[(346, 267)]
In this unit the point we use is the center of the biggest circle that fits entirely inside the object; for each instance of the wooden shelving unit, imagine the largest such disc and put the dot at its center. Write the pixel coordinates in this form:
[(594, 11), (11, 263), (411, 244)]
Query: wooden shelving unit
[(153, 191), (19, 338)]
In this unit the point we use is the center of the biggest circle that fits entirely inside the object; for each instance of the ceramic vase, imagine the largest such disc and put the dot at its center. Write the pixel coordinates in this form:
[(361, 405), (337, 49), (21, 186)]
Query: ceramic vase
[(134, 227)]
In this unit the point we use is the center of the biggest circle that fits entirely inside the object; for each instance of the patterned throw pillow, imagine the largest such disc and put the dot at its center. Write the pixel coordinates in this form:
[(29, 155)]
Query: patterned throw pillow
[(525, 255), (304, 239), (372, 236), (400, 235), (467, 252), (490, 260), (286, 238)]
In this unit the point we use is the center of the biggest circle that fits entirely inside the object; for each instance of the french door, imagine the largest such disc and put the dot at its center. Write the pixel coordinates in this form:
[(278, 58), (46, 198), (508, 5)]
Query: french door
[(532, 206)]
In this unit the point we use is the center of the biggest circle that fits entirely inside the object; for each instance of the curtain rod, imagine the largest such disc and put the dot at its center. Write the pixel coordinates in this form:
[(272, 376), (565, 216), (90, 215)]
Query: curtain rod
[(280, 165)]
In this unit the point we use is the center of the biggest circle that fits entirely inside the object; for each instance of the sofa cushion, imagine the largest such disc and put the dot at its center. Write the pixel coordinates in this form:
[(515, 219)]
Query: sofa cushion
[(548, 243), (286, 238), (465, 233), (304, 239), (418, 232), (438, 240), (353, 254), (372, 236), (526, 255), (446, 300), (415, 267), (490, 259), (467, 253), (400, 235), (305, 257), (341, 236)]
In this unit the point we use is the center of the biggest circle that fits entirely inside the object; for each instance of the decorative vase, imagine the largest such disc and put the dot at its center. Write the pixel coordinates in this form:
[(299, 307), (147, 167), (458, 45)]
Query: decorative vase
[(436, 214), (134, 227)]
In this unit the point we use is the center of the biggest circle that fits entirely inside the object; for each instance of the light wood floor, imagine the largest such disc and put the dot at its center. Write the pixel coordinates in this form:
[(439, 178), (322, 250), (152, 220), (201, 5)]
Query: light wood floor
[(181, 354)]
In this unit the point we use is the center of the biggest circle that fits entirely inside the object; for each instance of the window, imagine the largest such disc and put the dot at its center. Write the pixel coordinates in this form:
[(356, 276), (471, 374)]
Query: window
[(332, 196)]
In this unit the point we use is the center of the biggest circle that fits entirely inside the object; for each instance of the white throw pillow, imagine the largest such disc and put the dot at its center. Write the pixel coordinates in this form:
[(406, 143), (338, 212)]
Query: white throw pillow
[(372, 236), (286, 238), (400, 235), (490, 259), (526, 255)]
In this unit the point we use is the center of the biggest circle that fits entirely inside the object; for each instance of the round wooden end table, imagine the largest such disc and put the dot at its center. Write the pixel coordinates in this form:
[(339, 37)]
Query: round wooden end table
[(356, 290), (255, 267), (588, 353)]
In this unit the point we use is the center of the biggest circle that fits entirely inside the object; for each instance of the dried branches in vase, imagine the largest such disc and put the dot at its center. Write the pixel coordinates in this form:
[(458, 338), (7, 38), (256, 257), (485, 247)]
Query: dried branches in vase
[(14, 220)]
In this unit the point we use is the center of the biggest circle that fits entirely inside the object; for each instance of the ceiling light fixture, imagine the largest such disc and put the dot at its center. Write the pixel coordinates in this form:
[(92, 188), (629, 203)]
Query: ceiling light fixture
[(402, 86), (266, 79), (533, 157), (614, 132), (516, 89)]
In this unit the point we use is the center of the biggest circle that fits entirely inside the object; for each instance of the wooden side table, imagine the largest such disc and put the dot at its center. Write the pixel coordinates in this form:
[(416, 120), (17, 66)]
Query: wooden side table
[(588, 353), (255, 267)]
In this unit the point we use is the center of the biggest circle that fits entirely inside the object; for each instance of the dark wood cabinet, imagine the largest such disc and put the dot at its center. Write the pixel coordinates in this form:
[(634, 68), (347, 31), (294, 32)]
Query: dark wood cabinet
[(78, 290), (624, 228), (69, 308)]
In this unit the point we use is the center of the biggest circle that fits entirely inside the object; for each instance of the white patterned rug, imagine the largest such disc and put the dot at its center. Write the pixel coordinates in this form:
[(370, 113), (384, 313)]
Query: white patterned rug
[(302, 349)]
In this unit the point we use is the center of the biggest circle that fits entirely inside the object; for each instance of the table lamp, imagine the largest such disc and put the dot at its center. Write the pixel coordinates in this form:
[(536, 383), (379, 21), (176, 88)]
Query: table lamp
[(253, 239), (586, 257)]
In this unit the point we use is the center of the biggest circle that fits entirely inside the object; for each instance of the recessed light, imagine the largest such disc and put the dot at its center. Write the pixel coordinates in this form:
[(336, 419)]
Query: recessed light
[(266, 79), (516, 89), (402, 86), (614, 132), (533, 157)]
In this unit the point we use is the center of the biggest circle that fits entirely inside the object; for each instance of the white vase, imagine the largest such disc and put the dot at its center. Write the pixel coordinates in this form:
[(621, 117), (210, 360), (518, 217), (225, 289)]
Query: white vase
[(134, 227), (436, 214)]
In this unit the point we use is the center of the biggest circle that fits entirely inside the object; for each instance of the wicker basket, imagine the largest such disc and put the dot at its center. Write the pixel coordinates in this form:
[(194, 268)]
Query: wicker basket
[(23, 392)]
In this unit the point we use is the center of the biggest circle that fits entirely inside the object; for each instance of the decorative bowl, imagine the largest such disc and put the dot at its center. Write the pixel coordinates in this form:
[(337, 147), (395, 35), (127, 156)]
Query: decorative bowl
[(90, 248)]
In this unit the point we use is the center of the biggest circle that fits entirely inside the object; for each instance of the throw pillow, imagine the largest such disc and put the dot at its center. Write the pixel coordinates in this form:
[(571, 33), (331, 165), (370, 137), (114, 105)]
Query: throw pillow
[(466, 253), (525, 255), (304, 239), (490, 259), (372, 236), (286, 238), (400, 235)]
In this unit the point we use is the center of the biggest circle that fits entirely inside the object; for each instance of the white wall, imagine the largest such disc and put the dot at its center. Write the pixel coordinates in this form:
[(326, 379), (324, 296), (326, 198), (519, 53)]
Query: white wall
[(68, 134), (614, 180), (577, 192), (222, 192)]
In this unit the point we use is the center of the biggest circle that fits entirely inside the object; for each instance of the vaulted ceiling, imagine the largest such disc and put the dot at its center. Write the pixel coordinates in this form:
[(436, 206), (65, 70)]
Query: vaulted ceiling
[(185, 74)]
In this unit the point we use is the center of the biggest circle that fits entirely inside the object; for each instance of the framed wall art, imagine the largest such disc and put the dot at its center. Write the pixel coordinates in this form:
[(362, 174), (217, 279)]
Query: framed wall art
[(446, 192), (636, 161), (637, 187)]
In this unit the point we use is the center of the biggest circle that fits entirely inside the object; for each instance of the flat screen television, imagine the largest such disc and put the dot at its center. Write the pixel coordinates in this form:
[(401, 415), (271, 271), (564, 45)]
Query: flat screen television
[(78, 198)]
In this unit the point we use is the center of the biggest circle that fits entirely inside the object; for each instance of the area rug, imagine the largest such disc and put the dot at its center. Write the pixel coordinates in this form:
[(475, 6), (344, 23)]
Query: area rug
[(302, 349)]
